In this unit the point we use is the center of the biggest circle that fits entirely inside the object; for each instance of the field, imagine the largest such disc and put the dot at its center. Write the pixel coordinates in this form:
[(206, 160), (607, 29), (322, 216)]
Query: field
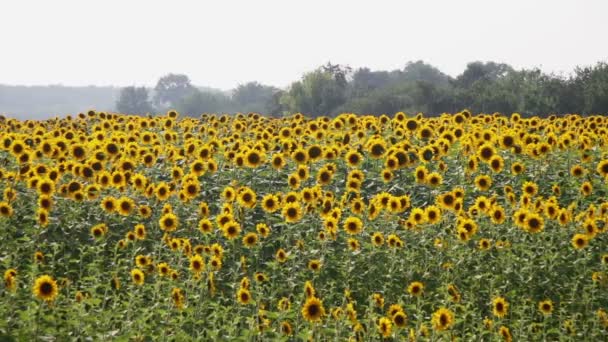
[(458, 227)]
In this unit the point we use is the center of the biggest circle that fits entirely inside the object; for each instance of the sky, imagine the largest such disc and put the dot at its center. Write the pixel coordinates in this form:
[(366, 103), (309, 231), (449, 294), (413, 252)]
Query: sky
[(225, 43)]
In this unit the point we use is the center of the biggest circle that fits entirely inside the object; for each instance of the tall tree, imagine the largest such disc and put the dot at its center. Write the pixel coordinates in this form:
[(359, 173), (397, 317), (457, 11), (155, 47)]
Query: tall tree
[(134, 100), (252, 97), (170, 89)]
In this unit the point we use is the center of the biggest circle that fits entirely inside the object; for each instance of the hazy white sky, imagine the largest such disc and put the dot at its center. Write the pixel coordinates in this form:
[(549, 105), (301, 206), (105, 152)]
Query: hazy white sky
[(223, 43)]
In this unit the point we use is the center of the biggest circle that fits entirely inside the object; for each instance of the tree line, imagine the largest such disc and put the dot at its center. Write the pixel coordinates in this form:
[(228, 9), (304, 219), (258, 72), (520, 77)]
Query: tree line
[(418, 87), (333, 88)]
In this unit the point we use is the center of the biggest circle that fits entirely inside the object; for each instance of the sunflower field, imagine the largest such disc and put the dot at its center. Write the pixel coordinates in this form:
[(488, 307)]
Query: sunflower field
[(248, 228)]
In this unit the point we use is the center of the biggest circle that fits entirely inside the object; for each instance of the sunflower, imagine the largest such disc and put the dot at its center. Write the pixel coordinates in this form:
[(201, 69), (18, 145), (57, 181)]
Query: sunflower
[(353, 244), (353, 158), (484, 244), (483, 182), (486, 152), (98, 231), (432, 214), (602, 168), (454, 293), (517, 168), (243, 296), (231, 230), (497, 214), (10, 279), (45, 288), (353, 225), (254, 158), (534, 223), (434, 179), (124, 206), (277, 161), (416, 288), (270, 203), (377, 239), (529, 188), (580, 241), (505, 333), (314, 265), (250, 240), (586, 189), (500, 307), (399, 319), (137, 276), (6, 210), (446, 200), (197, 264), (246, 197), (205, 226), (292, 212), (162, 191), (281, 255), (140, 231), (163, 269), (496, 163), (168, 222), (385, 327), (442, 319), (545, 307), (577, 171), (109, 204), (313, 309)]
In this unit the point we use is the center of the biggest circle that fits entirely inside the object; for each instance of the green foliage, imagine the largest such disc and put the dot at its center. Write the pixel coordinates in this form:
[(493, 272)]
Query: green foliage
[(134, 100), (170, 89)]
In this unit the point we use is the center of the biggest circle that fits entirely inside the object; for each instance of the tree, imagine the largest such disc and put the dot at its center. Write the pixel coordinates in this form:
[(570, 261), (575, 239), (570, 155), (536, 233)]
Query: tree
[(420, 71), (198, 102), (477, 71), (134, 100), (253, 97), (318, 93), (170, 89)]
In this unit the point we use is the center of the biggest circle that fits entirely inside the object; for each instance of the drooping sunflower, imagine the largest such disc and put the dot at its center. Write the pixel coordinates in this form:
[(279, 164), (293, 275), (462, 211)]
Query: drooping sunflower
[(45, 288)]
